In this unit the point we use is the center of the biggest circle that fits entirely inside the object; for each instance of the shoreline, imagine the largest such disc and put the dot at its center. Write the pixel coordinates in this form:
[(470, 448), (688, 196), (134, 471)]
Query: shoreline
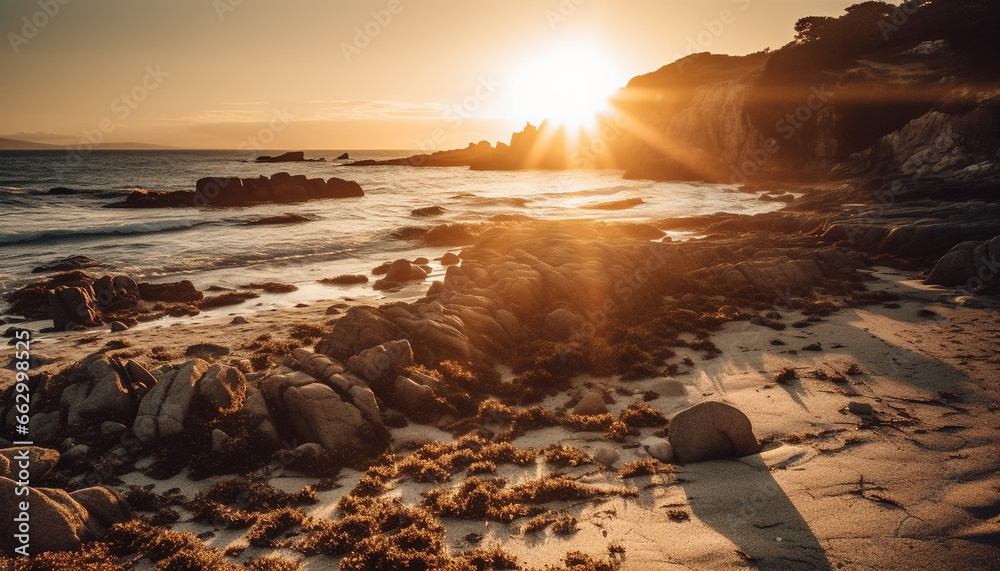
[(849, 376)]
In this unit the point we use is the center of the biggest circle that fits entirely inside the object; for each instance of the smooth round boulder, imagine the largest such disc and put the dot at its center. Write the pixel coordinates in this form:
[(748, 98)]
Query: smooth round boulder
[(591, 404), (711, 431)]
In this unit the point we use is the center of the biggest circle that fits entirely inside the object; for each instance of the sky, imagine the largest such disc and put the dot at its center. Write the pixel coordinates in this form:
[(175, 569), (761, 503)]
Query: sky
[(365, 74)]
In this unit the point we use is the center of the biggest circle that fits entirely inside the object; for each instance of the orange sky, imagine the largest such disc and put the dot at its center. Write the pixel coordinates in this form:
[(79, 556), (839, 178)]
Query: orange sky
[(297, 74)]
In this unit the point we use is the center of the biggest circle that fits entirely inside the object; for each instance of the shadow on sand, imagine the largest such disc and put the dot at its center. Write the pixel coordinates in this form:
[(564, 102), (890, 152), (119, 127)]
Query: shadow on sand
[(746, 505)]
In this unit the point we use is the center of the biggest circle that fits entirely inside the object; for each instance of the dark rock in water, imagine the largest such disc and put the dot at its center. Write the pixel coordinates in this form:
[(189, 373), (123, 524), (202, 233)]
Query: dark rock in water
[(32, 300), (450, 259), (63, 191), (428, 211), (73, 307), (711, 431), (616, 205), (280, 219), (117, 293), (158, 199), (290, 157), (343, 157), (66, 264), (280, 188), (403, 270), (175, 292)]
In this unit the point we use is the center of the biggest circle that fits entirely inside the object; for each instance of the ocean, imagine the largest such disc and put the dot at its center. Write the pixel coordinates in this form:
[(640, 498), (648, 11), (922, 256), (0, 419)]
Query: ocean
[(212, 247)]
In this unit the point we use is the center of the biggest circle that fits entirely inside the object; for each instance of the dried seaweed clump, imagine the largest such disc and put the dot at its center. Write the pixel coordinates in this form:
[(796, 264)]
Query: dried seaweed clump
[(566, 455), (240, 502), (438, 462), (644, 468), (561, 523), (492, 499), (384, 535)]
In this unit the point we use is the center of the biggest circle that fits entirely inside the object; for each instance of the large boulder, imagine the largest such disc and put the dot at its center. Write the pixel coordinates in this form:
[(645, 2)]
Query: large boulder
[(74, 307), (56, 521), (106, 397), (378, 362), (224, 388), (117, 293), (164, 410), (311, 411), (969, 264), (174, 292), (40, 461), (711, 431)]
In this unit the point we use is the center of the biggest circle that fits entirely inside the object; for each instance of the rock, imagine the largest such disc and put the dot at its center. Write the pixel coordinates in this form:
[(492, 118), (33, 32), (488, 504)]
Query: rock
[(660, 449), (210, 350), (116, 293), (378, 362), (75, 454), (173, 292), (139, 378), (709, 431), (606, 456), (317, 414), (450, 259), (219, 438), (428, 211), (113, 429), (40, 461), (239, 320), (223, 387), (44, 425), (860, 408), (104, 397), (73, 307), (561, 324), (164, 410), (289, 157), (343, 157), (670, 388), (103, 504), (592, 404), (58, 522), (404, 271), (359, 329), (66, 264), (117, 326)]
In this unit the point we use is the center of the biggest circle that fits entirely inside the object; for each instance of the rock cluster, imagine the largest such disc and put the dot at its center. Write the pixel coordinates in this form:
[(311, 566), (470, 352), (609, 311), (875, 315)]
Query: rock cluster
[(59, 521), (234, 191)]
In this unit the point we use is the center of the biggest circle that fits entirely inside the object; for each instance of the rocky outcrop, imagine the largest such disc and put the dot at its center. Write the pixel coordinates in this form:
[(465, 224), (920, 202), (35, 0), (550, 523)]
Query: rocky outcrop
[(289, 157), (176, 292), (339, 412), (234, 192), (975, 265), (59, 521), (711, 431)]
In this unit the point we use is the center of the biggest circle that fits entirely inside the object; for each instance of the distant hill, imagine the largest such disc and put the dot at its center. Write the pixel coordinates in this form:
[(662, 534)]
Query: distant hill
[(16, 145)]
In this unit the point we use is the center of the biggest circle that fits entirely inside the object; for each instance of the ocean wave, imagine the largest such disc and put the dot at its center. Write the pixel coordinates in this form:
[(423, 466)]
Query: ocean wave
[(605, 191), (48, 236)]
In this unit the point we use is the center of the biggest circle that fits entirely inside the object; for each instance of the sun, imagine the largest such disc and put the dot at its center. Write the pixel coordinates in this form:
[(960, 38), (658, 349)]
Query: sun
[(570, 87)]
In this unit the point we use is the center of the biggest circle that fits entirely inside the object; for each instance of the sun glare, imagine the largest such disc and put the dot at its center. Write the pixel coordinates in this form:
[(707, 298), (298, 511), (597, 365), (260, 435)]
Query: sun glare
[(568, 87)]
